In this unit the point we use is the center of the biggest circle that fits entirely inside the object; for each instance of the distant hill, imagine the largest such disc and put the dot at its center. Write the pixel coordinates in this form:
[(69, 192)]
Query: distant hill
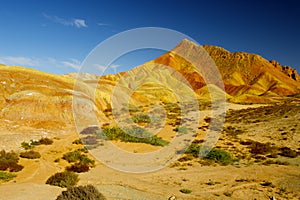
[(42, 100), (37, 99)]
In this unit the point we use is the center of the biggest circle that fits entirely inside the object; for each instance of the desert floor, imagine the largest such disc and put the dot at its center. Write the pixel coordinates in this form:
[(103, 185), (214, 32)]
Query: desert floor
[(248, 178)]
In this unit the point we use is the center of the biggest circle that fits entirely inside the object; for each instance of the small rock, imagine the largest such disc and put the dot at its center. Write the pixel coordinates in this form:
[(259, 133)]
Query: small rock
[(172, 198)]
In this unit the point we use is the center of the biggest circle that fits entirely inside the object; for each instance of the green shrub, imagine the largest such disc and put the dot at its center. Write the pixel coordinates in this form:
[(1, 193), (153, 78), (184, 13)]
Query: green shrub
[(14, 167), (193, 150), (78, 141), (46, 141), (30, 145), (9, 160), (141, 118), (227, 194), (85, 160), (6, 176), (83, 150), (72, 156), (82, 162), (261, 148), (63, 179), (186, 158), (78, 167), (8, 157), (26, 145), (266, 184), (132, 108), (30, 154), (181, 129), (33, 143), (87, 192), (185, 191), (4, 165), (136, 135), (219, 156)]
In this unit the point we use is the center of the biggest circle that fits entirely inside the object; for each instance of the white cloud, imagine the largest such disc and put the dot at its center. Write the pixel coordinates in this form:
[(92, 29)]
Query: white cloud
[(102, 24), (114, 67), (20, 61), (101, 68), (73, 63), (44, 64), (79, 23)]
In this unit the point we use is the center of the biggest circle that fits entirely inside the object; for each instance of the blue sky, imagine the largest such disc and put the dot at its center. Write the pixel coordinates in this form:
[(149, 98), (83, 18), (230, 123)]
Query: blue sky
[(56, 36)]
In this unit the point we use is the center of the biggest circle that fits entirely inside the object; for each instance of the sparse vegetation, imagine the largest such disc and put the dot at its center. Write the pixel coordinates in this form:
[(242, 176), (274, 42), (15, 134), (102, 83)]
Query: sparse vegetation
[(267, 184), (88, 192), (267, 148), (136, 135), (6, 176), (181, 129), (141, 118), (46, 141), (185, 191), (30, 154), (63, 179), (78, 167), (9, 161), (220, 156), (186, 158), (217, 155), (212, 182), (77, 156), (288, 152), (78, 141), (81, 163), (83, 150), (131, 108), (233, 131), (276, 162), (14, 167), (282, 190), (33, 143), (72, 156), (261, 148), (242, 180), (227, 194), (26, 145)]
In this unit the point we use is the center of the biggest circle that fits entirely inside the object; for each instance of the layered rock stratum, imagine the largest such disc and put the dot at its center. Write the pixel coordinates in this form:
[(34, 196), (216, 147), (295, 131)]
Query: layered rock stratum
[(43, 100)]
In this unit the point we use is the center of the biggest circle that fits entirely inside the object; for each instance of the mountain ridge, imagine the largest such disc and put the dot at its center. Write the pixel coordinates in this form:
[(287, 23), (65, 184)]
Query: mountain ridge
[(242, 73), (40, 99)]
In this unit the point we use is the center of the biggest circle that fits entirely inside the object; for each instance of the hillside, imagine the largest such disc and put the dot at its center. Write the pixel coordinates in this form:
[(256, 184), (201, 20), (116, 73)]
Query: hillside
[(40, 100), (247, 77), (255, 154)]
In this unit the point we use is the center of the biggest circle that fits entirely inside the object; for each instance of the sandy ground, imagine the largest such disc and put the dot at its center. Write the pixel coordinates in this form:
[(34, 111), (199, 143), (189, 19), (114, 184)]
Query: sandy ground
[(241, 181)]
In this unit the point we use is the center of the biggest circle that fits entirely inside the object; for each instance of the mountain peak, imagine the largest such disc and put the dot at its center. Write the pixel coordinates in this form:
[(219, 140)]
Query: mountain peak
[(185, 45), (244, 74)]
